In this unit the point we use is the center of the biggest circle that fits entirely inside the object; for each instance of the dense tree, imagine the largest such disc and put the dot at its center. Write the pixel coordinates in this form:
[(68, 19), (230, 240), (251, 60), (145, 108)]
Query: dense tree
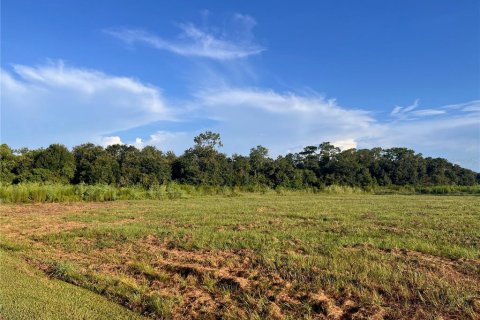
[(285, 174), (241, 170), (7, 164), (94, 165), (259, 164), (54, 164), (24, 166), (129, 163), (203, 164), (58, 161), (154, 167)]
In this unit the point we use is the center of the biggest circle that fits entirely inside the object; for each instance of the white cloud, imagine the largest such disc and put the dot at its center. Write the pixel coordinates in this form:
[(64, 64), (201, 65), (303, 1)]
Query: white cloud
[(472, 108), (345, 144), (108, 141), (200, 42), (411, 112), (59, 103), (428, 112), (286, 122), (465, 106), (138, 143), (166, 141), (451, 131), (282, 122)]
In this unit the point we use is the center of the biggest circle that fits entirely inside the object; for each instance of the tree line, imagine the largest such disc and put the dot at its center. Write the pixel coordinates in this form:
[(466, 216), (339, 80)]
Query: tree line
[(203, 164)]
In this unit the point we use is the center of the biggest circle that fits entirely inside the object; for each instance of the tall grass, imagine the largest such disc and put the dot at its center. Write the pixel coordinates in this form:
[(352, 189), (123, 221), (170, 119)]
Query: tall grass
[(35, 192), (449, 189), (444, 189), (32, 192)]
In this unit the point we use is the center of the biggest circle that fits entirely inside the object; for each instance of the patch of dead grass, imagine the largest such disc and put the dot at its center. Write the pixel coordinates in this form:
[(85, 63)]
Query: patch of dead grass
[(25, 220)]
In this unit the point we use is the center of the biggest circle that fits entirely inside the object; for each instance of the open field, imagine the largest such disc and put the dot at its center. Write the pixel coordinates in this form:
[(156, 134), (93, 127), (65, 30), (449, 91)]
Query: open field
[(252, 256)]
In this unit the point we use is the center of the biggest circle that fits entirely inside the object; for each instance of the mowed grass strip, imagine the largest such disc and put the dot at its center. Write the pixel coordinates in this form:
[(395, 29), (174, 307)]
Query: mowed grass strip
[(263, 256), (26, 293)]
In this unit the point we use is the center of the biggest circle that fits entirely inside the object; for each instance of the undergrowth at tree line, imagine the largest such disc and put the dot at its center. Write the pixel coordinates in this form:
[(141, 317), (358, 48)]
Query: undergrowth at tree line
[(36, 192), (91, 172)]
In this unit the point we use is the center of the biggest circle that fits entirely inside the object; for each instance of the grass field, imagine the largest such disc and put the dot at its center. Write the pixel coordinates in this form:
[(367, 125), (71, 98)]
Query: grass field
[(27, 293), (252, 256)]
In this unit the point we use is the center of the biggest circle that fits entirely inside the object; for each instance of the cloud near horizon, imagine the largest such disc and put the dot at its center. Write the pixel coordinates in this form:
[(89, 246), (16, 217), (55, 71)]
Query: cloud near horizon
[(199, 42), (284, 122), (451, 131), (59, 103)]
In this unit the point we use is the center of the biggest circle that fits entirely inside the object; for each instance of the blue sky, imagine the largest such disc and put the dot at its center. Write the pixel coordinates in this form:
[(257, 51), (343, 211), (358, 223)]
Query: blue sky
[(278, 73)]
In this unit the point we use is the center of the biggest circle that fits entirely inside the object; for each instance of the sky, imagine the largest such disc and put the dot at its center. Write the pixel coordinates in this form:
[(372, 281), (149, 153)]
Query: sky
[(282, 74)]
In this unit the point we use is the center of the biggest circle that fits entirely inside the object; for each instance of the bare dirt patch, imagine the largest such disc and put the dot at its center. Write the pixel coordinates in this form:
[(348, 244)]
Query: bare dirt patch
[(24, 220), (214, 283), (463, 270), (208, 284), (459, 272), (55, 208)]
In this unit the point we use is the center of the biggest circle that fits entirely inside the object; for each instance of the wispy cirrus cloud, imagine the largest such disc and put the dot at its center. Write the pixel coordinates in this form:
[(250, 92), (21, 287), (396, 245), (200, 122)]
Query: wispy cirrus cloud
[(451, 131), (200, 42), (470, 106), (452, 136), (412, 111)]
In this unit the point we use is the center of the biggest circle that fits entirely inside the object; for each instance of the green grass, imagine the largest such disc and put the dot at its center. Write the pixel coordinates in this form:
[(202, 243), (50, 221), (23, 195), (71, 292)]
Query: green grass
[(26, 293), (263, 256), (35, 192)]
